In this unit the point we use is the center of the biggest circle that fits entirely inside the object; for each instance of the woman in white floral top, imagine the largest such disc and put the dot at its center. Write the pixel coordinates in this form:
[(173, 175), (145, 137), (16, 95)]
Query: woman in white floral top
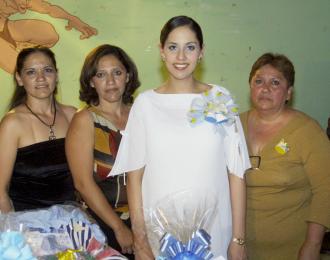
[(185, 135)]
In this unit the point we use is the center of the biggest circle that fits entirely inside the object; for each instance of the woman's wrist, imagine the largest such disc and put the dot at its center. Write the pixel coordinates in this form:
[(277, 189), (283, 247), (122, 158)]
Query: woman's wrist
[(238, 234), (315, 233), (118, 225), (6, 205), (239, 240), (315, 243)]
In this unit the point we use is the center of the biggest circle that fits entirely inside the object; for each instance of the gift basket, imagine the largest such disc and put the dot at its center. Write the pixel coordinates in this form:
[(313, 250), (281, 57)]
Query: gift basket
[(61, 232), (179, 225)]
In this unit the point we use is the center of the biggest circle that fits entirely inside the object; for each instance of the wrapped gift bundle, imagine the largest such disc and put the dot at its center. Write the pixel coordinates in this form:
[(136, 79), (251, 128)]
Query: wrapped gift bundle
[(62, 232)]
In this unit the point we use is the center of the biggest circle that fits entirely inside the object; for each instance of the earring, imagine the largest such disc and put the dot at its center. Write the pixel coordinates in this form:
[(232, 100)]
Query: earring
[(163, 58), (199, 59)]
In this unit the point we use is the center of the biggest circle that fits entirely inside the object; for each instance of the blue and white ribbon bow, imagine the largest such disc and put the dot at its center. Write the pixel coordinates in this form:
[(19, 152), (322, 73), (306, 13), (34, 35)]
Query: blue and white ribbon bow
[(214, 106), (197, 248), (80, 234)]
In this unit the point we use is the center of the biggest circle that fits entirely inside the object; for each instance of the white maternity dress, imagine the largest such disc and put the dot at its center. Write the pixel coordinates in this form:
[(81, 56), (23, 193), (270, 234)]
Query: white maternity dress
[(178, 156)]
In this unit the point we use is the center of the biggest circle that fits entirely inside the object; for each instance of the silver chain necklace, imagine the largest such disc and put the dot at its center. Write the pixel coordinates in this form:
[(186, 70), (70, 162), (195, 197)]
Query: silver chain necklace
[(52, 135)]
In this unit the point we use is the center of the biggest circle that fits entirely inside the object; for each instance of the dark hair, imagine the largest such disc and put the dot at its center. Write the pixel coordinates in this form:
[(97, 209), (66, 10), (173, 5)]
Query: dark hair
[(19, 95), (89, 69), (179, 21), (279, 62)]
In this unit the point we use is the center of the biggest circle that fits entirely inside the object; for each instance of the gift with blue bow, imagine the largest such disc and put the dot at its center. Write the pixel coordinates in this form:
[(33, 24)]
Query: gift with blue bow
[(178, 226), (197, 248)]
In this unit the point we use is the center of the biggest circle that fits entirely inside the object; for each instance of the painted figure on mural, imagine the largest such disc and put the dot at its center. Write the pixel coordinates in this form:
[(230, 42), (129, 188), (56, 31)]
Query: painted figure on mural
[(18, 34)]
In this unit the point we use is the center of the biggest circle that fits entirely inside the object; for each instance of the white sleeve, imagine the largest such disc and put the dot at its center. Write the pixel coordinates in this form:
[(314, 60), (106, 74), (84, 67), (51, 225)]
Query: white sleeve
[(132, 150), (236, 152)]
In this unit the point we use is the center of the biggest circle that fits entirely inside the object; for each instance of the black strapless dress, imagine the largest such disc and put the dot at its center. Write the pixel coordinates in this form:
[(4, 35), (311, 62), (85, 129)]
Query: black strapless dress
[(41, 176)]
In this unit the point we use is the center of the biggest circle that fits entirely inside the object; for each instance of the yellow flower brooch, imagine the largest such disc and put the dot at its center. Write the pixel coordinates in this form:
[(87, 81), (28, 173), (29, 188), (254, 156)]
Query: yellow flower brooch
[(282, 147)]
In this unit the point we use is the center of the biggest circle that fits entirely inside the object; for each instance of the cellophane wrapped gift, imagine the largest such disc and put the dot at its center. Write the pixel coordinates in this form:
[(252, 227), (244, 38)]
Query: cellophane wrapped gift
[(178, 226), (62, 232)]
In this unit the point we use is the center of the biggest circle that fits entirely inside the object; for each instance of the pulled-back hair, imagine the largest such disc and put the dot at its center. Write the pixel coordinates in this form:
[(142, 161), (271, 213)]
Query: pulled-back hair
[(179, 21), (19, 95)]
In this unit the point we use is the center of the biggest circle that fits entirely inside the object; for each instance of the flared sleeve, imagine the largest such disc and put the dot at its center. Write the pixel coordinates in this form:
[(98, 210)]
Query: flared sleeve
[(217, 107), (132, 150), (236, 152)]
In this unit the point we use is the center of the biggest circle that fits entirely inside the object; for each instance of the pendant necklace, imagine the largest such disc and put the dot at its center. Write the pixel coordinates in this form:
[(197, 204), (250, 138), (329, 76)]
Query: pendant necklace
[(51, 129)]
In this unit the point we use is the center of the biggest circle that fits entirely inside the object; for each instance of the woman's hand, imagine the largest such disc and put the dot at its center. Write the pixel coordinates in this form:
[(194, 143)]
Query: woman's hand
[(309, 251), (142, 250), (236, 252), (124, 237)]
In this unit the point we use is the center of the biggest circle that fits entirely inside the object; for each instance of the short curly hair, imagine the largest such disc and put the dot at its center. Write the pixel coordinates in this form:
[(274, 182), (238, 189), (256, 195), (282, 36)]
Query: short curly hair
[(87, 93), (279, 62)]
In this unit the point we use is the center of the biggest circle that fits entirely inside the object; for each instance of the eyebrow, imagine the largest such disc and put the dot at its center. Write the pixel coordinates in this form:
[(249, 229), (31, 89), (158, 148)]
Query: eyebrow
[(186, 43), (272, 76), (47, 66), (111, 70)]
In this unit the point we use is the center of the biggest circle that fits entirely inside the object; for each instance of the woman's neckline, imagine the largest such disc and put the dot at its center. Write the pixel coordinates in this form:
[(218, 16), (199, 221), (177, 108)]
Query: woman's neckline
[(109, 122), (61, 139), (211, 86), (273, 139)]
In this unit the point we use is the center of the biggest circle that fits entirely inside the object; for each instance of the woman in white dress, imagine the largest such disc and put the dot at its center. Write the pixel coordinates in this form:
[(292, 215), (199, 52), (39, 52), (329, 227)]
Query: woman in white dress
[(185, 135)]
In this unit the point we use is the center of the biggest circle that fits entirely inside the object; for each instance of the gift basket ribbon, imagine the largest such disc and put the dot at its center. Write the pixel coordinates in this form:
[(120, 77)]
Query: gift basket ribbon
[(197, 248)]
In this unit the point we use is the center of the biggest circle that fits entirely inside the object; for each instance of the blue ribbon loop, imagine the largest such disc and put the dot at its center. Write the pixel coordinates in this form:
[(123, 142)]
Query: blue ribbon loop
[(197, 248)]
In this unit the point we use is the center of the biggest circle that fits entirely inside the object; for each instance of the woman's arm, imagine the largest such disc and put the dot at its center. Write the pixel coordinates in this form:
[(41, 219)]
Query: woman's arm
[(310, 249), (315, 156), (56, 11), (79, 151), (8, 150), (238, 205), (142, 248)]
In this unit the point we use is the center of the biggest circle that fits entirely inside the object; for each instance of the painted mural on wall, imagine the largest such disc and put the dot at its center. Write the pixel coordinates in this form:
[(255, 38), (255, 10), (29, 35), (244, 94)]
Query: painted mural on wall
[(23, 33)]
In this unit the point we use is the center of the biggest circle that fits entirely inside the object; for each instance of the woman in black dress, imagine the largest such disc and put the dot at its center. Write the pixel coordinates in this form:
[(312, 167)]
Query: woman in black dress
[(34, 171)]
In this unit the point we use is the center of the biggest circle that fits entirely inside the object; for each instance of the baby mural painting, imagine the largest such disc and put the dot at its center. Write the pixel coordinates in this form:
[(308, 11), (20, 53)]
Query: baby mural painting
[(18, 34)]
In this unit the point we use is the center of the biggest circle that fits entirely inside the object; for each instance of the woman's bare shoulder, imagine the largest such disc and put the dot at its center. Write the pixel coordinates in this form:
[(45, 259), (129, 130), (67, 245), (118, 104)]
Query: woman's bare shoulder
[(81, 126), (15, 120), (68, 111), (82, 116)]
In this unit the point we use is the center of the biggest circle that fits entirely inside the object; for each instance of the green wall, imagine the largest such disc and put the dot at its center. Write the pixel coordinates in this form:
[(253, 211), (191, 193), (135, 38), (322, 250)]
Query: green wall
[(236, 33)]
